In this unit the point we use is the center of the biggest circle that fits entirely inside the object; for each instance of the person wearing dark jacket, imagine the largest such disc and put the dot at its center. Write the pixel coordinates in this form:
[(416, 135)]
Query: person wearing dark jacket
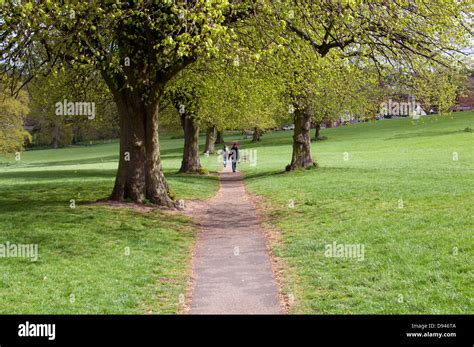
[(234, 156)]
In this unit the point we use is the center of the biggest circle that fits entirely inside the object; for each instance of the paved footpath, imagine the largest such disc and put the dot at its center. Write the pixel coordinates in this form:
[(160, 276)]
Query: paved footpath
[(232, 267)]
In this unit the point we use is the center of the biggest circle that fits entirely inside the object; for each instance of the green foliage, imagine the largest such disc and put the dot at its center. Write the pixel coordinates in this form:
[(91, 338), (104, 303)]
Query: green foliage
[(185, 99), (327, 87), (227, 92), (241, 96), (13, 111), (331, 50), (52, 134), (438, 86), (383, 32), (332, 53), (120, 39), (73, 86)]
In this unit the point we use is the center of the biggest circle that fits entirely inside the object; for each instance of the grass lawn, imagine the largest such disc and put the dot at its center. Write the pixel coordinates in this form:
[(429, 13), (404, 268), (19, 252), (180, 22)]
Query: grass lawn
[(399, 194), (92, 259)]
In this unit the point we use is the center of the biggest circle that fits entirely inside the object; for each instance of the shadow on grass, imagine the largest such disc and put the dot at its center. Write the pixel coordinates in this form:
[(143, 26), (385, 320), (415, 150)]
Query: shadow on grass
[(94, 160), (269, 173), (173, 175), (46, 197), (52, 190), (424, 134), (53, 174), (319, 170), (170, 153)]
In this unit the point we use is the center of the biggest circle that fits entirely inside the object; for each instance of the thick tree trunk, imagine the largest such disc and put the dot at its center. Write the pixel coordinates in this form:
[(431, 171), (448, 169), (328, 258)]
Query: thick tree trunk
[(317, 135), (220, 137), (75, 135), (210, 146), (139, 174), (190, 163), (257, 133), (55, 136), (130, 180), (157, 190), (301, 157)]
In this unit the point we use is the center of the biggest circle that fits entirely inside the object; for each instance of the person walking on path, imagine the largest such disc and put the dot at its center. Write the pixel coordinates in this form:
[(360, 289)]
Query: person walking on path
[(225, 154), (235, 156)]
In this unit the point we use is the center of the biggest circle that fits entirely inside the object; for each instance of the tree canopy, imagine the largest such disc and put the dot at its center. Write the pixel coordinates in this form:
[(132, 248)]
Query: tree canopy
[(326, 56)]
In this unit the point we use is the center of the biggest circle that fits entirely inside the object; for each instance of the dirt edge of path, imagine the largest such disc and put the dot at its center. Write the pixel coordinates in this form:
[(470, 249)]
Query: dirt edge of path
[(272, 238), (196, 210)]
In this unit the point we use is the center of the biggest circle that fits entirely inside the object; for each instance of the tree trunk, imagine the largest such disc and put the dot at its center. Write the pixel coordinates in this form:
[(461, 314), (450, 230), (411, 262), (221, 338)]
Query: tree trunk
[(157, 190), (55, 136), (317, 135), (210, 147), (139, 174), (301, 157), (75, 135), (220, 137), (256, 134), (190, 163)]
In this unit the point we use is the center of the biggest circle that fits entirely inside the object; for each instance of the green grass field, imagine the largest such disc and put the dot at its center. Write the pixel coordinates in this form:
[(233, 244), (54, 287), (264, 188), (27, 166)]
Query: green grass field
[(400, 194), (417, 259), (92, 259)]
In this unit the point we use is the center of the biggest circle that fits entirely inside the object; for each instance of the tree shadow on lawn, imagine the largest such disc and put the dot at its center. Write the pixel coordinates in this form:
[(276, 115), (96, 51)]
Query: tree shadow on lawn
[(182, 177), (94, 160), (50, 189), (82, 233), (57, 174), (270, 142), (41, 213), (320, 170), (267, 173), (171, 153), (424, 134), (46, 190), (33, 175), (45, 197)]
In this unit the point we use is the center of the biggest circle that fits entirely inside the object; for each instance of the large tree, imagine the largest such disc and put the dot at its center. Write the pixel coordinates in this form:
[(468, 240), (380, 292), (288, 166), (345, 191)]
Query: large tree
[(185, 99), (137, 47), (320, 88), (382, 33)]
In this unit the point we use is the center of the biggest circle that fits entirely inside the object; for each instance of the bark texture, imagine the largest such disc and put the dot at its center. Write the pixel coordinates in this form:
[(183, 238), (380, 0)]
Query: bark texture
[(301, 157), (220, 137), (257, 134), (56, 137), (317, 134), (139, 174), (190, 162), (210, 146)]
